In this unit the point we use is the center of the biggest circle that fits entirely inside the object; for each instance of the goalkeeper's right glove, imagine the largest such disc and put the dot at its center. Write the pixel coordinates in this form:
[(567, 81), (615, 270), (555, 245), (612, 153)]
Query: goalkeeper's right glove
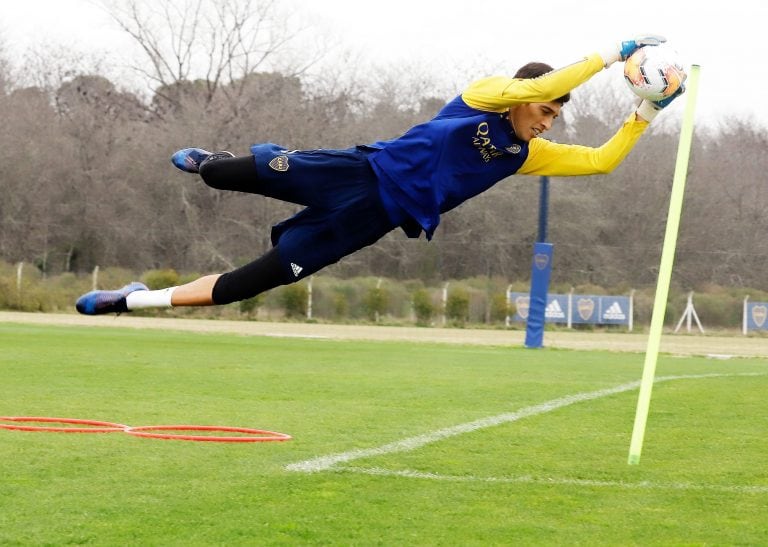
[(648, 110), (622, 50)]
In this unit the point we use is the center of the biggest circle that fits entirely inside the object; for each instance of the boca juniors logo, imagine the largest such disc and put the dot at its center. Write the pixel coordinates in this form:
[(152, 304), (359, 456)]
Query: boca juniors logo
[(523, 304), (759, 315), (541, 260), (279, 163), (586, 307)]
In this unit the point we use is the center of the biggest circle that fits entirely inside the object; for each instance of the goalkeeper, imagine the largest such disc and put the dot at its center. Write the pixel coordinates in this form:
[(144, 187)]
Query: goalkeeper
[(356, 196)]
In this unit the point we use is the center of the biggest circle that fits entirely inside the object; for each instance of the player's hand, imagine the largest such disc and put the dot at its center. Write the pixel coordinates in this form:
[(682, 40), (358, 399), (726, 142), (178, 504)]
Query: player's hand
[(664, 103), (622, 50), (648, 110), (628, 47)]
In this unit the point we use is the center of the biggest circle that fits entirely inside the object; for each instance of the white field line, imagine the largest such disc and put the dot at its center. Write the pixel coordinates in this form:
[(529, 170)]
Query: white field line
[(556, 481), (325, 463)]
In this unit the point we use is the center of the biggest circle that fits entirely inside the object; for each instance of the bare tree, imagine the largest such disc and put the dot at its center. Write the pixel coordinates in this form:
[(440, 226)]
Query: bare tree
[(5, 69), (216, 42), (724, 224)]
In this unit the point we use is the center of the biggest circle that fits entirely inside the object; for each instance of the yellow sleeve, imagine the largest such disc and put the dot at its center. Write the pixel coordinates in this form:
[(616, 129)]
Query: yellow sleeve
[(497, 93), (563, 160)]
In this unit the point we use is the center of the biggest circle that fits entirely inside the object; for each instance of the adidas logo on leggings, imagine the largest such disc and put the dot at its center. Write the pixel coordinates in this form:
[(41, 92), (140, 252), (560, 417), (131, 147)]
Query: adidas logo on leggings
[(296, 269)]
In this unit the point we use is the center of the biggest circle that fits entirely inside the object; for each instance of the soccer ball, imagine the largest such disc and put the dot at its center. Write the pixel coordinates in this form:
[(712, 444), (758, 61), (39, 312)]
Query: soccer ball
[(654, 72)]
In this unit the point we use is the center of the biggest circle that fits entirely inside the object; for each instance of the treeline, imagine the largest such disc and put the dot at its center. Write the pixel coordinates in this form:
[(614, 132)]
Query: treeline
[(476, 301), (86, 181)]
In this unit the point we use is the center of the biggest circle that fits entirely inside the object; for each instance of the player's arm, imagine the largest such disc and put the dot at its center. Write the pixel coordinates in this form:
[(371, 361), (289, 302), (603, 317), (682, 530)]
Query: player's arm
[(497, 93), (563, 160)]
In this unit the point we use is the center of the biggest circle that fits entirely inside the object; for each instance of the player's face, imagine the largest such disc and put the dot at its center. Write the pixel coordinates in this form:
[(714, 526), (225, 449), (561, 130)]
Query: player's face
[(532, 119)]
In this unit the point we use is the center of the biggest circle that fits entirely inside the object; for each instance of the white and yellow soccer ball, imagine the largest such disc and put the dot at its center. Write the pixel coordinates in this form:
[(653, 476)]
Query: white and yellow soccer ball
[(654, 72)]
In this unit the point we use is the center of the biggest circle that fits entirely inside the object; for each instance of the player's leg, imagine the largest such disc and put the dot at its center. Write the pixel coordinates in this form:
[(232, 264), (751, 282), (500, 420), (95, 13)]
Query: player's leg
[(224, 171), (264, 273), (351, 216), (240, 175), (313, 240), (316, 238), (322, 179), (305, 244), (260, 275)]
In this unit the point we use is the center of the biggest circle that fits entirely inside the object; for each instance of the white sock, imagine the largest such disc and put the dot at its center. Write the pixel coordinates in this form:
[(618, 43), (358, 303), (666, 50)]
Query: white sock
[(150, 299)]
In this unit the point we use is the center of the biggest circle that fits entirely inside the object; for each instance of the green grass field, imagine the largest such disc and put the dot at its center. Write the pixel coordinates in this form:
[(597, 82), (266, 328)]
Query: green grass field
[(393, 444)]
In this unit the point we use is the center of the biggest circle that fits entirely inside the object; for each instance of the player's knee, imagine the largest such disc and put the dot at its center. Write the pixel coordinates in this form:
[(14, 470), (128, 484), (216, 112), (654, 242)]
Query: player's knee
[(237, 174), (214, 174), (261, 275)]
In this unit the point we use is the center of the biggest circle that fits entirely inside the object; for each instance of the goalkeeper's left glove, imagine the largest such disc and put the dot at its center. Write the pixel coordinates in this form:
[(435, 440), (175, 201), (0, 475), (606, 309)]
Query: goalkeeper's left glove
[(648, 110), (622, 50)]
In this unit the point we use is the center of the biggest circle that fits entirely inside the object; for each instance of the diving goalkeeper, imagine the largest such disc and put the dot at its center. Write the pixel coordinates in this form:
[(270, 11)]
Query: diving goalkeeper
[(354, 197)]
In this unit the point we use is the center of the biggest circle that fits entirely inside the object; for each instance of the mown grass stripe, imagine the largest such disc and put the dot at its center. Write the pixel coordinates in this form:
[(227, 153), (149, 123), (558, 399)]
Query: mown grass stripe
[(324, 463), (556, 481)]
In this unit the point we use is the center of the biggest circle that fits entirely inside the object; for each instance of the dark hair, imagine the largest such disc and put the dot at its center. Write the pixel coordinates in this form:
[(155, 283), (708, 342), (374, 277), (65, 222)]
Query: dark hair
[(534, 70)]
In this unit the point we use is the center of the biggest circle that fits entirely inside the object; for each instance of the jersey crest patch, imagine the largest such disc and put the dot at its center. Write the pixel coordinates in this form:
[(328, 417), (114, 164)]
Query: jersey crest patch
[(279, 163)]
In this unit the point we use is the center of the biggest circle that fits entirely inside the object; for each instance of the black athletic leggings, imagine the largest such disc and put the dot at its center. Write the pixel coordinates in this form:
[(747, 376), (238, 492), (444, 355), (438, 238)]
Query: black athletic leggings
[(264, 273), (236, 174)]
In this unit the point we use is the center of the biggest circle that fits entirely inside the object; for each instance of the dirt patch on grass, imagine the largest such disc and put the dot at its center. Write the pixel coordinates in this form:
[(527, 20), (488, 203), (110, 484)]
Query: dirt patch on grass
[(718, 346)]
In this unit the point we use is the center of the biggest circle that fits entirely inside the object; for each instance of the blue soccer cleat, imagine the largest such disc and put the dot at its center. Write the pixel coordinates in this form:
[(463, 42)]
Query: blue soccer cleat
[(99, 302), (189, 160)]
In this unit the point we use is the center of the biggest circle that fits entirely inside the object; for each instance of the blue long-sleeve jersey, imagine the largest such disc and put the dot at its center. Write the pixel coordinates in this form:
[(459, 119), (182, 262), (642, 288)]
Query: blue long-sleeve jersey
[(470, 146), (438, 165)]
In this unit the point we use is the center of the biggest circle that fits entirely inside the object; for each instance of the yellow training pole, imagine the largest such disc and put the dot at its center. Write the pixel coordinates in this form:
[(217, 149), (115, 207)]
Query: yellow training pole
[(665, 269)]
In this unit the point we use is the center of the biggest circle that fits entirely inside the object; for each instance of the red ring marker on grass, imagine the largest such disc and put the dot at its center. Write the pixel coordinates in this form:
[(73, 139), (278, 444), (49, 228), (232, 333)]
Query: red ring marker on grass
[(251, 435), (95, 426)]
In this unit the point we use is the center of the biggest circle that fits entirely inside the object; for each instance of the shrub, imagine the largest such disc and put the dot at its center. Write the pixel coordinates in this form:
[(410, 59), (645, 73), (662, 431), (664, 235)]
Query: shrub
[(108, 278), (250, 306), (294, 300), (375, 303), (340, 305), (501, 308), (160, 279), (457, 306), (718, 310), (9, 298), (423, 307)]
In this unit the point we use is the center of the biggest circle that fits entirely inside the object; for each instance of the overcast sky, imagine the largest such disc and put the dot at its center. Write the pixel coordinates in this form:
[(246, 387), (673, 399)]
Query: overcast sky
[(727, 39)]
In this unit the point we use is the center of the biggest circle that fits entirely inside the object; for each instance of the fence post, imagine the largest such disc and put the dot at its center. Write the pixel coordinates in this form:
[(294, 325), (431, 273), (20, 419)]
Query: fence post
[(376, 317), (19, 269), (309, 297), (445, 301), (745, 310)]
